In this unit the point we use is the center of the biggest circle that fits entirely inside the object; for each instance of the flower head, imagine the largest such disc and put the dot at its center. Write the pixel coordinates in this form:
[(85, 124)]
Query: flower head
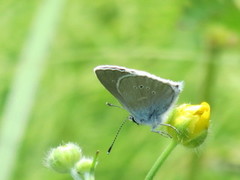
[(84, 165), (192, 121), (219, 37), (63, 158)]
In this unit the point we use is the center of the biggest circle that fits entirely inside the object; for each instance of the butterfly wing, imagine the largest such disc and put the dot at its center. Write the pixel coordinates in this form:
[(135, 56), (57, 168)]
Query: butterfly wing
[(147, 98), (109, 76)]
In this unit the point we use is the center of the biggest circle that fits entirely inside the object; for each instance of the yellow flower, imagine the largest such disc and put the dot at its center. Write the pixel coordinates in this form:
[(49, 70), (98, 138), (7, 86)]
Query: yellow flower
[(192, 122)]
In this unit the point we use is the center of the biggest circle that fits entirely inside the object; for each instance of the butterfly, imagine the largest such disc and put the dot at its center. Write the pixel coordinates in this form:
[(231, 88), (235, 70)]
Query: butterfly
[(146, 97)]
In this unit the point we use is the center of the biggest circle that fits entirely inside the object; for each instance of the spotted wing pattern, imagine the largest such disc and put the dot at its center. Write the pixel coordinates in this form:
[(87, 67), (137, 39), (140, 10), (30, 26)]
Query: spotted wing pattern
[(145, 96)]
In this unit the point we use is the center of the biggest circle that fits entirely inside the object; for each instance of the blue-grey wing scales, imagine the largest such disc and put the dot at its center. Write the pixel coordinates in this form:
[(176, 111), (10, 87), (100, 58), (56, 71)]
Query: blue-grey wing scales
[(145, 96), (147, 99)]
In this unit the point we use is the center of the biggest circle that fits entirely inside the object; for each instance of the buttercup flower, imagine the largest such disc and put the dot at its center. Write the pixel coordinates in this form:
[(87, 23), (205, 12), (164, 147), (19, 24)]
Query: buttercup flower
[(192, 122)]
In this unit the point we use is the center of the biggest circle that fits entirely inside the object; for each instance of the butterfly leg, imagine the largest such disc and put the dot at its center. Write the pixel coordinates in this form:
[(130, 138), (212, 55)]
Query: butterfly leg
[(162, 133), (169, 125)]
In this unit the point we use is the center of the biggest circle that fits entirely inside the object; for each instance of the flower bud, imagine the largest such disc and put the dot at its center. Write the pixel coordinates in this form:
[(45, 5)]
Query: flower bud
[(220, 37), (84, 165), (192, 122), (64, 157)]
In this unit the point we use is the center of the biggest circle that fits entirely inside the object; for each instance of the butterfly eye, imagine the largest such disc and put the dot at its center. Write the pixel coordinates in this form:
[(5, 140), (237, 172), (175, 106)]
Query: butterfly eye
[(153, 92), (141, 86)]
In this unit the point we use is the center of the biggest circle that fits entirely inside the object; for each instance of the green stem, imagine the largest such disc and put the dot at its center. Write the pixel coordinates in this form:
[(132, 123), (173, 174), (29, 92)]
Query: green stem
[(86, 176), (23, 90), (89, 176), (75, 175), (161, 160), (94, 163)]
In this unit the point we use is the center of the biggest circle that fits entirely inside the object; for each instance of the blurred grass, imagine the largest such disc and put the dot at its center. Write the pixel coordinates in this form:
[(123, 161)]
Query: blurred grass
[(166, 38)]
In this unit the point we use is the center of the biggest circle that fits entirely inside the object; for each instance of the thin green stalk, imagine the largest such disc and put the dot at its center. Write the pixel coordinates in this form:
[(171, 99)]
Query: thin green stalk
[(94, 163), (75, 175), (89, 176), (25, 83), (210, 73), (85, 176), (213, 53), (161, 160)]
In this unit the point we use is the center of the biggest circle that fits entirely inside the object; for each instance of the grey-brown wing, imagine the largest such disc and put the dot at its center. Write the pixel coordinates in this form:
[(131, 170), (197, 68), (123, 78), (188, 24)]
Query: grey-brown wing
[(146, 97), (109, 76)]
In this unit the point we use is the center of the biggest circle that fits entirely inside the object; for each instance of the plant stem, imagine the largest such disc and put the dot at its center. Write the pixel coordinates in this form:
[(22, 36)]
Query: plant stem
[(161, 160), (89, 176), (75, 175), (213, 52), (85, 176), (21, 96)]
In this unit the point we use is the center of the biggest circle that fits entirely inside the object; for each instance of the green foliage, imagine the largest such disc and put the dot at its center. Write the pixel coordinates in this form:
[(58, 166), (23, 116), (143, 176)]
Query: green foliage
[(165, 38)]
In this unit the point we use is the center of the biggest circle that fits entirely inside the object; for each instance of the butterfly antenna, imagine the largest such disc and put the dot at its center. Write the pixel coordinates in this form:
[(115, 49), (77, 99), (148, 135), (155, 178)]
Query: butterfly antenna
[(112, 105), (119, 129)]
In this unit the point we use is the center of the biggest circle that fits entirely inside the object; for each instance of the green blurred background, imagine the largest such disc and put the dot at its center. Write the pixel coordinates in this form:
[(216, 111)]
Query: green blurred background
[(194, 41)]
